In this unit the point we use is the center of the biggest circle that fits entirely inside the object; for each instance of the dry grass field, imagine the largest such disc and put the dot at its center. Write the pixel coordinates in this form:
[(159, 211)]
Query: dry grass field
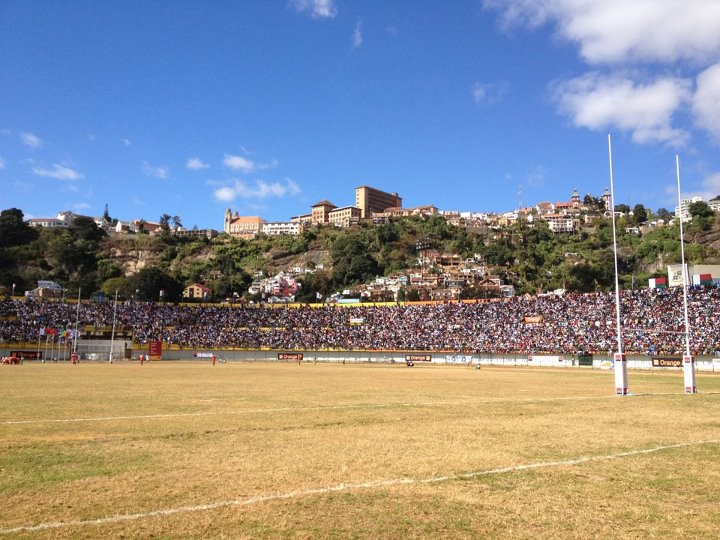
[(188, 450)]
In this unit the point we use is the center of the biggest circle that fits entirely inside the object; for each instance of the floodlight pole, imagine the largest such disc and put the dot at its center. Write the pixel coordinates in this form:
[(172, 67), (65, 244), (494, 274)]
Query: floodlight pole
[(77, 317), (621, 382), (112, 337), (688, 359)]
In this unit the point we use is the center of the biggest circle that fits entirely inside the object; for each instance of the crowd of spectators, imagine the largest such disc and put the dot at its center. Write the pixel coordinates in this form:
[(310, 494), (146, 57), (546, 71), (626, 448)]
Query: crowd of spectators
[(652, 321)]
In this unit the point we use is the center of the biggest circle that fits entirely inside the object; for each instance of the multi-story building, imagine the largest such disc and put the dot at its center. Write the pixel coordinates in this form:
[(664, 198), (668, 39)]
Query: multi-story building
[(49, 223), (242, 226), (575, 198), (344, 217), (560, 223), (195, 233), (683, 211), (321, 210), (279, 228), (197, 290), (305, 219), (605, 198), (370, 200)]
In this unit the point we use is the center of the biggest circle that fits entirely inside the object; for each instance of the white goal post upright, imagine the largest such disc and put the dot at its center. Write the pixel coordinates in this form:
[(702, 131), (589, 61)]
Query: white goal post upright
[(688, 359), (621, 379)]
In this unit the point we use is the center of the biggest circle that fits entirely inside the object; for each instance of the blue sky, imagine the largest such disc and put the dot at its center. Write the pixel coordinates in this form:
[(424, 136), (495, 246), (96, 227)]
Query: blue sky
[(268, 106)]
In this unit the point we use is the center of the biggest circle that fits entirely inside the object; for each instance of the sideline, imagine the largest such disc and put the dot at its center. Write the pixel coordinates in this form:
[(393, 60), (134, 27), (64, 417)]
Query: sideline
[(323, 408), (344, 487)]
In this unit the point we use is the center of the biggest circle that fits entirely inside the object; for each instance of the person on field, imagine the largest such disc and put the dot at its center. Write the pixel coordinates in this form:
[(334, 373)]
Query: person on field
[(74, 358), (213, 359), (142, 359)]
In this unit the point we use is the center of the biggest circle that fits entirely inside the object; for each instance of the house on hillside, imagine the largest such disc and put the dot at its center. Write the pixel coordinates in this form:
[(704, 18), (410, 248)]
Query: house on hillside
[(196, 291)]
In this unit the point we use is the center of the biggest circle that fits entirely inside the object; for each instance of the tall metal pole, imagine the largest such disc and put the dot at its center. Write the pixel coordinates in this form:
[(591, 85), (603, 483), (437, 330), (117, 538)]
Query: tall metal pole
[(621, 383), (77, 318), (688, 359), (112, 337)]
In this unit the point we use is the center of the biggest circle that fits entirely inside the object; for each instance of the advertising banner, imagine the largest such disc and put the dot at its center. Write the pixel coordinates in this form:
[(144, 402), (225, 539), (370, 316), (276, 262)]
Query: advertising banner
[(458, 359), (546, 360), (418, 357), (155, 348), (28, 355), (290, 356), (675, 275), (660, 361)]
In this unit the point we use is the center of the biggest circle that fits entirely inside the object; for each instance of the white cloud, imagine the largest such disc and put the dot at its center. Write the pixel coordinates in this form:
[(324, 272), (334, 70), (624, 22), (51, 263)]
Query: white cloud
[(162, 172), (60, 172), (645, 110), (2, 163), (126, 142), (244, 165), (81, 206), (615, 31), (357, 38), (709, 189), (33, 141), (260, 190), (706, 102), (225, 194), (196, 164), (489, 94), (319, 9)]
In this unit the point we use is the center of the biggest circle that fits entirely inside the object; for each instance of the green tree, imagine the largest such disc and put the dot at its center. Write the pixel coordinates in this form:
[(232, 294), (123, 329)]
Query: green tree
[(352, 260), (703, 216), (624, 208), (412, 295), (165, 222), (640, 214), (119, 284), (13, 229), (700, 209), (148, 283), (85, 228)]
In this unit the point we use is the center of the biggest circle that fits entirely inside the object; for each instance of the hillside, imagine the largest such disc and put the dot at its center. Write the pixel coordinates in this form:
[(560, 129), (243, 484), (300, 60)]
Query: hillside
[(529, 257)]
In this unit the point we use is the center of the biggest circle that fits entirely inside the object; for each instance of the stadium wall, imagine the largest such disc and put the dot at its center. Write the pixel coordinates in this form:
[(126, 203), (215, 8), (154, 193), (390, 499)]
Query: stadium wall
[(100, 351)]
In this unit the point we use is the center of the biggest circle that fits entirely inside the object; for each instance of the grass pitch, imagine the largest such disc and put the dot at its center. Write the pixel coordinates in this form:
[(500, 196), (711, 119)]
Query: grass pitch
[(251, 450)]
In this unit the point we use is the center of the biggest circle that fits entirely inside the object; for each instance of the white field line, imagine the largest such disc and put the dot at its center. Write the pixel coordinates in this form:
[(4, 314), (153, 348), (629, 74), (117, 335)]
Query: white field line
[(342, 487), (316, 408)]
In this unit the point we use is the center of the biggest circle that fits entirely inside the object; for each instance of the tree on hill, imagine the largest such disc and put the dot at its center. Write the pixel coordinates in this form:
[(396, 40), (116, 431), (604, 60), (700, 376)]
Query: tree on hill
[(165, 222), (624, 208), (352, 261), (700, 209), (148, 283), (85, 228), (640, 214), (13, 229), (702, 215)]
